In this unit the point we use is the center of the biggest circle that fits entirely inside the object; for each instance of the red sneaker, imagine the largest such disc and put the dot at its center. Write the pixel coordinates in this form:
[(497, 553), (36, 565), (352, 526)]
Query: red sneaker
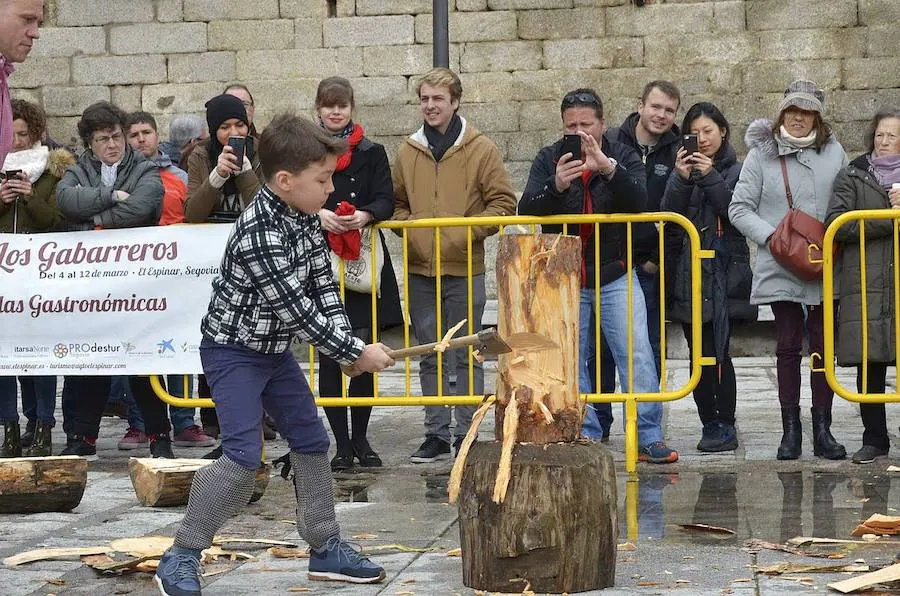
[(133, 439), (192, 436)]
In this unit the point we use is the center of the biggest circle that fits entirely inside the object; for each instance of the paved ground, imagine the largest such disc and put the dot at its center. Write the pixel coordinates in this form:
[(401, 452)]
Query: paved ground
[(746, 491)]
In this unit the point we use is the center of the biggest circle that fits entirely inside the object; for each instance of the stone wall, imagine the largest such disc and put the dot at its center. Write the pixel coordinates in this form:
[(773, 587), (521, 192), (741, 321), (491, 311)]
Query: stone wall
[(516, 58)]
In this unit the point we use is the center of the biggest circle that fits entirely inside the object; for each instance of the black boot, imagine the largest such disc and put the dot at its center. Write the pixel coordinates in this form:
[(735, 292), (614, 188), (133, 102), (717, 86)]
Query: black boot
[(792, 439), (824, 444), (41, 445), (28, 435), (12, 442)]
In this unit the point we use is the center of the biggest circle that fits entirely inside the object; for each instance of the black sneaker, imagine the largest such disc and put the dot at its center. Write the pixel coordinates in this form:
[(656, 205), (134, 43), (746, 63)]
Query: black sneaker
[(161, 446), (431, 450), (711, 438), (80, 445), (868, 453)]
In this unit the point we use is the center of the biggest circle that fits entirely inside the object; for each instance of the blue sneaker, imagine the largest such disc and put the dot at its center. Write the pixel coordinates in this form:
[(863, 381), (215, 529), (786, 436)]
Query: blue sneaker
[(178, 573), (657, 453), (339, 561)]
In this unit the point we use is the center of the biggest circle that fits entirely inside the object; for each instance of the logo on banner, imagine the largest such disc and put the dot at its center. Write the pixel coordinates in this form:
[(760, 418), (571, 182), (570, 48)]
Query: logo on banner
[(165, 345), (60, 350), (128, 347)]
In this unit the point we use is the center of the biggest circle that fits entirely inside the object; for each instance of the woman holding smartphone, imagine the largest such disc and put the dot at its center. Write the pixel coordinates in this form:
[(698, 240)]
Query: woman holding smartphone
[(363, 179), (706, 170)]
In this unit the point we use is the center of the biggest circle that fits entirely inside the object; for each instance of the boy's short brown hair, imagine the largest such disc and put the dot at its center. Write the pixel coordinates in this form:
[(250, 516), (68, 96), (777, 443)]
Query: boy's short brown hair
[(291, 143), (442, 77)]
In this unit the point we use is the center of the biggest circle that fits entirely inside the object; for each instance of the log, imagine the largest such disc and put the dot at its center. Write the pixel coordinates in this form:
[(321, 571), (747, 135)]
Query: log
[(39, 484), (538, 291), (160, 482), (557, 528)]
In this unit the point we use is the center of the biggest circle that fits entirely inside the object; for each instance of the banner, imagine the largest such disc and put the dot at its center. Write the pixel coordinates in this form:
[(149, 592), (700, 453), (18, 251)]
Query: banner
[(108, 302)]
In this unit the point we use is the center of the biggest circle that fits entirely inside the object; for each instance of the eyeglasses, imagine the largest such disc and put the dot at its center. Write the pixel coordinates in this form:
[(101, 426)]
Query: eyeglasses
[(116, 138), (572, 99), (247, 104)]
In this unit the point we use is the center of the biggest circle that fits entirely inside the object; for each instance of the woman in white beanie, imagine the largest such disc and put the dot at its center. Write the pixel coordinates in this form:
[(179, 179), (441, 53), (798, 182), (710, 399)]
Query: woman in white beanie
[(802, 142)]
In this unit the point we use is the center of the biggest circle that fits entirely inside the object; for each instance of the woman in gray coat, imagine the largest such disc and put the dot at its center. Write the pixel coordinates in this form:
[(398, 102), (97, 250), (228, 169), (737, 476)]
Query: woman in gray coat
[(813, 157), (867, 184)]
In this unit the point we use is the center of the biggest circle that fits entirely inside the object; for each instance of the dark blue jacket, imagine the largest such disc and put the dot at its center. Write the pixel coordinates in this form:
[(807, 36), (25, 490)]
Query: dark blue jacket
[(625, 192)]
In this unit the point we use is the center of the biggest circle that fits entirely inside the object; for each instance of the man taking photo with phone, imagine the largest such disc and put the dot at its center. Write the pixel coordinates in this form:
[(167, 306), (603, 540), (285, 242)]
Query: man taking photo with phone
[(604, 177)]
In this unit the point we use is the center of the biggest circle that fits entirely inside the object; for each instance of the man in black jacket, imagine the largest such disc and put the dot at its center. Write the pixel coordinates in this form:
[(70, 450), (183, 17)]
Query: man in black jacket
[(605, 177)]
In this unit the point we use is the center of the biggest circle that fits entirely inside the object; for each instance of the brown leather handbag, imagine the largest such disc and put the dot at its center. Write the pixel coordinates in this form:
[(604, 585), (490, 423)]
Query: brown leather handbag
[(797, 243)]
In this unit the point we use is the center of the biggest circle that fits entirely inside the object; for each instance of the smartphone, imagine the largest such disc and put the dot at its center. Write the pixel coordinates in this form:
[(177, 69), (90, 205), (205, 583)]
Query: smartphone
[(689, 142), (10, 174), (237, 145), (571, 144)]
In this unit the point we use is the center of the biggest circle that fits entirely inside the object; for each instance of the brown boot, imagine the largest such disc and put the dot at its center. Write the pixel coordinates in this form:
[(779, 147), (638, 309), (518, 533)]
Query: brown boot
[(41, 446), (12, 442)]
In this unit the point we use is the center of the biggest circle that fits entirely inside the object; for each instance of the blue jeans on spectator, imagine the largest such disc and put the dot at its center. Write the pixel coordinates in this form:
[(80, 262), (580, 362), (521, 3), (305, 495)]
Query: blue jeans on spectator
[(181, 417), (603, 411), (38, 399), (614, 322), (650, 286)]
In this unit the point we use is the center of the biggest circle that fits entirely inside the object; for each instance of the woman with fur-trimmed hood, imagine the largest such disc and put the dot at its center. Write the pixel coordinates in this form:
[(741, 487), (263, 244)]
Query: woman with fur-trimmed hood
[(812, 158), (28, 205)]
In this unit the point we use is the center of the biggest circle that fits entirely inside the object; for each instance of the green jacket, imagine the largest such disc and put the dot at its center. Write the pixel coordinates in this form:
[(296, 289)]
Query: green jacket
[(38, 213)]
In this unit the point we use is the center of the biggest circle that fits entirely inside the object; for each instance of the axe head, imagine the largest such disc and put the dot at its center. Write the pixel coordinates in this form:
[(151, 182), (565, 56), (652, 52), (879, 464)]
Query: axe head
[(490, 342)]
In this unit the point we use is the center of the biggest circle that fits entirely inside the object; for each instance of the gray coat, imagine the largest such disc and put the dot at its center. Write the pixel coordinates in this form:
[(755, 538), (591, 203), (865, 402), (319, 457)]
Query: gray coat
[(759, 203), (855, 188), (86, 203)]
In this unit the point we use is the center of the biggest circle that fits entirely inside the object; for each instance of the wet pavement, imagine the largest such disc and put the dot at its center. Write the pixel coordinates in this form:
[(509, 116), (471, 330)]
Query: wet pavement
[(746, 492)]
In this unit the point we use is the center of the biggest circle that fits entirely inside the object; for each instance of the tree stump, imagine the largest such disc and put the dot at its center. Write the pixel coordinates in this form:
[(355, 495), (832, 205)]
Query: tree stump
[(160, 482), (40, 484), (557, 529), (538, 291)]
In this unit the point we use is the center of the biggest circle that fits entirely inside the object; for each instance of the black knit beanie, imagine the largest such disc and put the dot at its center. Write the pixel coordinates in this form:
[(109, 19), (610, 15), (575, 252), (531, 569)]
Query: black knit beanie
[(221, 108)]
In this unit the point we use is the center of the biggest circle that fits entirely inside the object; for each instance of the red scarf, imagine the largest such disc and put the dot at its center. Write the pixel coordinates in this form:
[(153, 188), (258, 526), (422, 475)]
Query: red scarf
[(343, 161), (345, 245)]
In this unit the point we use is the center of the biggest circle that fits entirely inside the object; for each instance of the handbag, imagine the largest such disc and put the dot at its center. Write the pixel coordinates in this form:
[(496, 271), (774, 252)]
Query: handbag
[(358, 273), (797, 242)]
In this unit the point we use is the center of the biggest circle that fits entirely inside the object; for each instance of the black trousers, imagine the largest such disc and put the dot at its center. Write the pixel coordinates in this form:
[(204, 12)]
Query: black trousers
[(360, 386), (716, 393), (875, 431), (88, 399)]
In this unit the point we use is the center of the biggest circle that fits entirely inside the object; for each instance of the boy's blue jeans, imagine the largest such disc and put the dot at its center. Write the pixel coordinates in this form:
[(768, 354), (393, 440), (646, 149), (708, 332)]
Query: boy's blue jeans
[(614, 323)]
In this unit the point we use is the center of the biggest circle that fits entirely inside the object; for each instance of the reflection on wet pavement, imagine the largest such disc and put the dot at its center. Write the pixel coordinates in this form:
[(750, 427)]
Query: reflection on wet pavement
[(352, 487)]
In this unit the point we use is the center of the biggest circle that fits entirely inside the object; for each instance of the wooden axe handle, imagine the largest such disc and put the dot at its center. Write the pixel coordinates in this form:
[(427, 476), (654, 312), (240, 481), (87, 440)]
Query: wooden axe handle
[(425, 349)]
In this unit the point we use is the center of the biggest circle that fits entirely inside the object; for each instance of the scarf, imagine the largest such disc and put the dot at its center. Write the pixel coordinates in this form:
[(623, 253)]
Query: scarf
[(354, 134), (439, 143), (108, 173), (886, 169), (348, 244), (31, 161), (6, 119), (795, 142)]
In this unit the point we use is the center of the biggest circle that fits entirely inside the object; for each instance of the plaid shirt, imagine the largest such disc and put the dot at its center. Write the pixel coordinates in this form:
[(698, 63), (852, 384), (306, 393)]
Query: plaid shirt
[(275, 281)]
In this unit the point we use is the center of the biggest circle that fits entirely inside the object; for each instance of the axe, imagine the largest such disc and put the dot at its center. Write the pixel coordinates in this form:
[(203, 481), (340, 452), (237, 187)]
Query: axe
[(487, 341)]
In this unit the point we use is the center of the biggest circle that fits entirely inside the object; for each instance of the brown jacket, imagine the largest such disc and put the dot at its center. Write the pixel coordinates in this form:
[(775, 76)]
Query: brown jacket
[(202, 197), (470, 180)]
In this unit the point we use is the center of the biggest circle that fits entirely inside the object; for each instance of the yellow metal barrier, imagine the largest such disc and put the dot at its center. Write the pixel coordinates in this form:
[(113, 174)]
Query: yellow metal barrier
[(630, 398), (829, 359)]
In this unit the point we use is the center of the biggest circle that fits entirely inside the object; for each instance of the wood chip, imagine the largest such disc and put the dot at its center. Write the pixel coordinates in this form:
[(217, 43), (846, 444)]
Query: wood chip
[(804, 540), (283, 552), (460, 463), (221, 540), (782, 568), (454, 552), (445, 341), (887, 574), (142, 546), (48, 554), (504, 469), (365, 536), (299, 589), (878, 524), (707, 528), (626, 546), (400, 548)]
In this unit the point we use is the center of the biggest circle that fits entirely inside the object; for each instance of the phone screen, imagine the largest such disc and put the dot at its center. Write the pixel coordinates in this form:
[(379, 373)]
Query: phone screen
[(571, 144), (689, 142), (10, 174), (237, 144)]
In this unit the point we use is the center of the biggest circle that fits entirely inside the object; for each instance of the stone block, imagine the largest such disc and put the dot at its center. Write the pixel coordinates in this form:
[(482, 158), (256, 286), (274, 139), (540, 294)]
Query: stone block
[(518, 174), (251, 35), (501, 55), (36, 72), (78, 13), (659, 19), (304, 9), (776, 76), (69, 41), (345, 8), (369, 31), (575, 23), (391, 120), (472, 26), (852, 135), (216, 10), (64, 131), (662, 50), (601, 2), (403, 60), (481, 87), (539, 115), (471, 5), (608, 52), (308, 33), (527, 4), (377, 91), (71, 101), (30, 95), (860, 105), (729, 15), (168, 38), (800, 14), (179, 98), (267, 65), (169, 11), (882, 40), (127, 97), (365, 8), (813, 44), (492, 117), (279, 96), (877, 12), (551, 85), (119, 70), (522, 146), (199, 68)]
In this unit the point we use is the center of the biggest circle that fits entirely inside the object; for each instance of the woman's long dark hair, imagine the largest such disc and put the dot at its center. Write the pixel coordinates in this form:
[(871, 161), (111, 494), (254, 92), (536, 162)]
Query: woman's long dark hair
[(705, 108)]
